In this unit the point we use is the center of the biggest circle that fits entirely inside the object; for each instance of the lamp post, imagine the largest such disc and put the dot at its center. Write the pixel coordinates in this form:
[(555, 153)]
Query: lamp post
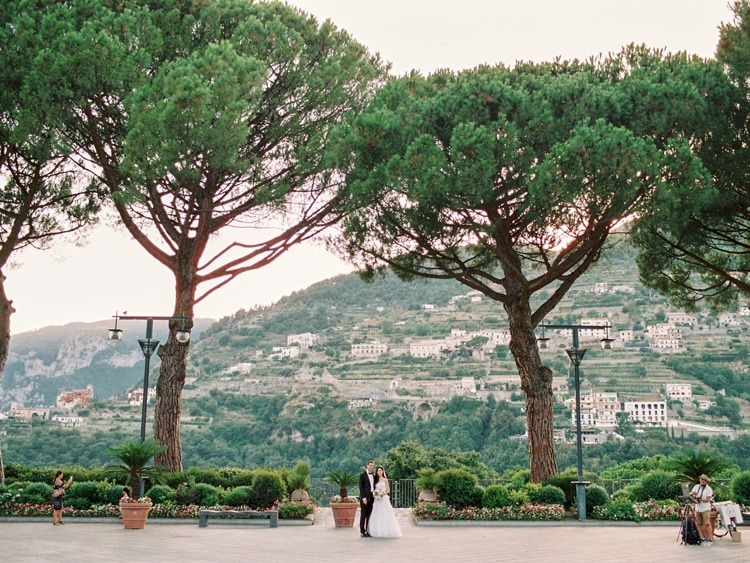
[(148, 346), (576, 355)]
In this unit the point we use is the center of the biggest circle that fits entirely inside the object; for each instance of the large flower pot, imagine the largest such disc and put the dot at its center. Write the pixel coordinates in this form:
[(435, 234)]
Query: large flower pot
[(427, 495), (344, 513), (134, 514)]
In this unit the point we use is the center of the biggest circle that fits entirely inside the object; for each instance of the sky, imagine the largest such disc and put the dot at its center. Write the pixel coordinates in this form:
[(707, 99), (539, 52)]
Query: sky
[(111, 273)]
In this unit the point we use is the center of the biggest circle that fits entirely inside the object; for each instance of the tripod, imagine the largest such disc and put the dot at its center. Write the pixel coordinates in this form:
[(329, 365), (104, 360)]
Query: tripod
[(689, 532)]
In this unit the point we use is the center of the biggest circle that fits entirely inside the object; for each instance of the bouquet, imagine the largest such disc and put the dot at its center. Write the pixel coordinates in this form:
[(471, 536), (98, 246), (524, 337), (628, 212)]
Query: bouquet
[(378, 494)]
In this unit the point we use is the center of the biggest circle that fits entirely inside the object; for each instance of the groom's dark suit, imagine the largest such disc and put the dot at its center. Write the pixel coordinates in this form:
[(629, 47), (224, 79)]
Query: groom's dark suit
[(366, 487)]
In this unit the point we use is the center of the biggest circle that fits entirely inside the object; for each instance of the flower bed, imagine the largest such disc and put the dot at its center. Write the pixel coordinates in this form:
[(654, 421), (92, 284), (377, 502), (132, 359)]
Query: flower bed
[(649, 511), (288, 510), (528, 511)]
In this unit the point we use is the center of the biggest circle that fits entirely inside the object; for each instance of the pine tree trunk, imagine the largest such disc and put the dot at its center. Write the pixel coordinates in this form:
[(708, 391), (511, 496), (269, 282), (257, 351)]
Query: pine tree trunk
[(536, 381), (172, 372), (6, 310), (169, 403)]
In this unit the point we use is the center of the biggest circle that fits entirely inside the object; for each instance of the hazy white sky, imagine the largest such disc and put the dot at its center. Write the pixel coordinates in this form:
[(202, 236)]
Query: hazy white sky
[(112, 273)]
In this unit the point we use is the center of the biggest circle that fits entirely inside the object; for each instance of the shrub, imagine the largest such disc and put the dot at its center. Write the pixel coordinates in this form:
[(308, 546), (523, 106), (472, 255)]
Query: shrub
[(226, 477), (113, 493), (290, 510), (519, 497), (520, 478), (238, 496), (496, 496), (565, 480), (83, 495), (207, 495), (622, 495), (595, 496), (657, 485), (457, 487), (36, 493), (268, 487), (159, 493), (533, 490), (185, 494), (619, 510), (741, 488), (549, 494)]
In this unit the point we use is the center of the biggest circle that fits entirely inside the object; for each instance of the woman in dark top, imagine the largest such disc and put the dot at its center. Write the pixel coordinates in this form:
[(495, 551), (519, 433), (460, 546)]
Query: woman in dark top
[(58, 492)]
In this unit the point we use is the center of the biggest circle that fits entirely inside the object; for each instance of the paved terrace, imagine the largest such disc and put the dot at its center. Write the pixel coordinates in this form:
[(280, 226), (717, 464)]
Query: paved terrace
[(165, 540)]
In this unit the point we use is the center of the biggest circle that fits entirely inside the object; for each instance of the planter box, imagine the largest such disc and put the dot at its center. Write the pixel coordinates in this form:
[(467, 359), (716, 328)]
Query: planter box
[(344, 513), (135, 514)]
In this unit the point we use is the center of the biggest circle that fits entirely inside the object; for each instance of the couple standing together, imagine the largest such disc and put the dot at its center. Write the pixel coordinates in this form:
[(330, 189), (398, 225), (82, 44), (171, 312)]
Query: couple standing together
[(376, 518)]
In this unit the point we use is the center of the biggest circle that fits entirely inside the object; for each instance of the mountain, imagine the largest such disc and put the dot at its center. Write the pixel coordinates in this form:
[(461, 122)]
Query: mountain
[(241, 353), (44, 362)]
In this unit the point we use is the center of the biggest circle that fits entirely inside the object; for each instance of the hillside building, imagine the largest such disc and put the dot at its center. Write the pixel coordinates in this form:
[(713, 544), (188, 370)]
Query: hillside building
[(368, 350), (427, 348), (70, 400), (679, 392), (648, 413), (681, 319), (284, 352), (17, 410), (135, 398), (304, 340)]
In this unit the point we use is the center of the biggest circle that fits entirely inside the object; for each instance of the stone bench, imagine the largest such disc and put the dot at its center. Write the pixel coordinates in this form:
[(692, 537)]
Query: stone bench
[(272, 515)]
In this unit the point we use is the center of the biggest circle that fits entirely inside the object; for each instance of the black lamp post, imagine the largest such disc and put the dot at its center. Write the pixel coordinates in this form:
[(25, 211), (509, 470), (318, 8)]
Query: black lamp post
[(148, 347), (576, 355)]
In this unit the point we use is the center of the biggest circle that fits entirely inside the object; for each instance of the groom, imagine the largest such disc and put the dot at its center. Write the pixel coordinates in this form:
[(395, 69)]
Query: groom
[(366, 486)]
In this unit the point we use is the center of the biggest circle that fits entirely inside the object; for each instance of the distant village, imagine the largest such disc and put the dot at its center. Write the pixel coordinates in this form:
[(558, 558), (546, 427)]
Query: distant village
[(599, 410)]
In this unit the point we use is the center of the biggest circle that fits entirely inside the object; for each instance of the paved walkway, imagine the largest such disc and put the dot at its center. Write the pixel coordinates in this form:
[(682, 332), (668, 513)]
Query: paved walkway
[(86, 540)]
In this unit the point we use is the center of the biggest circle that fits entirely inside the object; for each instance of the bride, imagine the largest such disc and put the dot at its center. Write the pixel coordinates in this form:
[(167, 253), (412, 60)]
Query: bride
[(382, 522)]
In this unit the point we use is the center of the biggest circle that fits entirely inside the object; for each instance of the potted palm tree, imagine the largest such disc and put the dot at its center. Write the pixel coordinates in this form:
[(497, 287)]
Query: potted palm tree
[(427, 483), (136, 464), (343, 506), (299, 481)]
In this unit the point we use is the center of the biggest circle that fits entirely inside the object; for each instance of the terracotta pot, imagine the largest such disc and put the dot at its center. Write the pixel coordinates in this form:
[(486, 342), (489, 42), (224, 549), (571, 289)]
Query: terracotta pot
[(299, 494), (427, 495), (135, 514), (344, 513)]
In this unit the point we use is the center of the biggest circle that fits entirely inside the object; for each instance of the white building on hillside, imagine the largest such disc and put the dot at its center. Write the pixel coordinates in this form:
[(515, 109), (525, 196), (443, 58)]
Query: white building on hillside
[(427, 348), (368, 350), (681, 319), (650, 413), (284, 352), (305, 340), (679, 392)]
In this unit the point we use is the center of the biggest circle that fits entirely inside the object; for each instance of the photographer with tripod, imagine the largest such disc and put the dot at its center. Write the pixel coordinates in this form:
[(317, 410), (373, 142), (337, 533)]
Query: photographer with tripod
[(703, 493)]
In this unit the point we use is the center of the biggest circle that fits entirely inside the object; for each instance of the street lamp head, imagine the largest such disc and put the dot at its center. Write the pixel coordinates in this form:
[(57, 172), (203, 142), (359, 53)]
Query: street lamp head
[(115, 334), (607, 342), (542, 342), (182, 336), (575, 355)]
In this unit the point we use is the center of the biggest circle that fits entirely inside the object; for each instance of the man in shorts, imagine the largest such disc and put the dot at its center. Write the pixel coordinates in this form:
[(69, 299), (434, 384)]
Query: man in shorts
[(703, 493)]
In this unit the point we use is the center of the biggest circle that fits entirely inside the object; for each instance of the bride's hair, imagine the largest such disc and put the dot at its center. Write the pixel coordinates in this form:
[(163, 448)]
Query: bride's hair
[(377, 477)]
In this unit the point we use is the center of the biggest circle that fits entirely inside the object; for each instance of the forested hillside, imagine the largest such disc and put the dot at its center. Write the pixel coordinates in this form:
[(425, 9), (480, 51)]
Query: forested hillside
[(244, 407)]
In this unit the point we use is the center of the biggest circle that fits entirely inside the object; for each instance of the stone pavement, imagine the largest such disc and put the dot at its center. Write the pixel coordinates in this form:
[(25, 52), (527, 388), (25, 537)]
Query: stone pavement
[(164, 540)]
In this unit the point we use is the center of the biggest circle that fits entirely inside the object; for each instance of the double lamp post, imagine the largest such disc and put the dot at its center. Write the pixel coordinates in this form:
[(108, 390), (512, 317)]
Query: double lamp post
[(576, 354), (148, 347)]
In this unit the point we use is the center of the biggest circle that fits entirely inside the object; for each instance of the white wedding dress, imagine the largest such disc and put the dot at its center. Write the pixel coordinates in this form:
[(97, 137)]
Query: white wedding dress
[(383, 523)]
